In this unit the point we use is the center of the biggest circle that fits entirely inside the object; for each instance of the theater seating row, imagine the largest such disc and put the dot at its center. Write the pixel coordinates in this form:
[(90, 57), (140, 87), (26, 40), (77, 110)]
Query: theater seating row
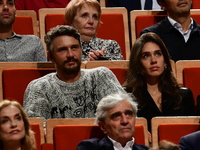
[(65, 134), (109, 29), (14, 77)]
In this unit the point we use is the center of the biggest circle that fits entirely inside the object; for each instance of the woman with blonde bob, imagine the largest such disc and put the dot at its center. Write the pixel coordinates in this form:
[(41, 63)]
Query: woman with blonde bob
[(15, 132), (84, 15)]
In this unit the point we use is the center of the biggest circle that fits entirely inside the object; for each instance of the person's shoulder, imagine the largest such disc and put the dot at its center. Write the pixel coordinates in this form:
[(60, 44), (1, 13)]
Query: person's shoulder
[(192, 135), (30, 37), (42, 80), (98, 69), (90, 144), (184, 90), (105, 41)]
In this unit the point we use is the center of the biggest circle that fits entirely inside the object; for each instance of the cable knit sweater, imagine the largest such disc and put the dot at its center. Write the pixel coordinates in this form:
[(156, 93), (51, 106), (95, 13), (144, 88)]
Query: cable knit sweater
[(49, 97)]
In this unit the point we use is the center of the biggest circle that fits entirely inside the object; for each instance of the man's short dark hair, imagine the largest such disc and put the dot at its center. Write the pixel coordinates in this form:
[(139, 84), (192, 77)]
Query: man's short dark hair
[(59, 31)]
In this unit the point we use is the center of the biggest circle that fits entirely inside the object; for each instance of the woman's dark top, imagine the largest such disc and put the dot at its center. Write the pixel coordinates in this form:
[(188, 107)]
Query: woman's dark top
[(151, 110)]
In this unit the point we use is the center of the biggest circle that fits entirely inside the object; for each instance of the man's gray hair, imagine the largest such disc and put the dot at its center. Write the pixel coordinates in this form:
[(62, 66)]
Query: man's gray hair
[(110, 101)]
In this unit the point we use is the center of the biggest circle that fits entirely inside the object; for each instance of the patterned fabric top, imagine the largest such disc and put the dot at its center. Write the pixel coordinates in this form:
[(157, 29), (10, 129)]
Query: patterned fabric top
[(22, 48), (49, 97), (112, 52)]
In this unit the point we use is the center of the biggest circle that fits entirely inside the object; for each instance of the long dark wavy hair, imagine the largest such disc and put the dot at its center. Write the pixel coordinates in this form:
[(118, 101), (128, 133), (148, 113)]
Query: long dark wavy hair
[(135, 80)]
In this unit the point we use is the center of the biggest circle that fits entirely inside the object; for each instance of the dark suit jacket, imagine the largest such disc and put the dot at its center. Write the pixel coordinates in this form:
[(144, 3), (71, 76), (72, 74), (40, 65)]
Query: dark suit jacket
[(103, 144), (151, 110), (173, 39), (190, 141)]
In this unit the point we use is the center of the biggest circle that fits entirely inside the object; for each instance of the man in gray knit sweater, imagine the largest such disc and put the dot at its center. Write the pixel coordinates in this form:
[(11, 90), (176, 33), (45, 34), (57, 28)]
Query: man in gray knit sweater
[(70, 92)]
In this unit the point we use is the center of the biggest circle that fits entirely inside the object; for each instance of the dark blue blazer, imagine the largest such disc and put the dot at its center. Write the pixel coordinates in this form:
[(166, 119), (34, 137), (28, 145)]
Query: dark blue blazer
[(103, 144), (190, 141), (173, 39)]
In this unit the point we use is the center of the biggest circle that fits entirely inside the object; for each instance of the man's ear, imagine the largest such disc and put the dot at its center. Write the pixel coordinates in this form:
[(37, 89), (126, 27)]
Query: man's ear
[(102, 126)]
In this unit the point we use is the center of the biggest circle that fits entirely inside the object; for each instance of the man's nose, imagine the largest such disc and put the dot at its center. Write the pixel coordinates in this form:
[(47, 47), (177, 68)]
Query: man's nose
[(124, 119)]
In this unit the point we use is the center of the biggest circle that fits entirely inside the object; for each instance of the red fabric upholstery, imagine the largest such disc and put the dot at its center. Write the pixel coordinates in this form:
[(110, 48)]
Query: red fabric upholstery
[(36, 128), (68, 136), (191, 79), (47, 146), (195, 4), (173, 132), (109, 29), (144, 21), (52, 20), (15, 81), (120, 73), (23, 25)]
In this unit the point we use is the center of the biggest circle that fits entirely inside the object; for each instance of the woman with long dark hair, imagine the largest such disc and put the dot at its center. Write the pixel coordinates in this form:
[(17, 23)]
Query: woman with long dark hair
[(151, 80)]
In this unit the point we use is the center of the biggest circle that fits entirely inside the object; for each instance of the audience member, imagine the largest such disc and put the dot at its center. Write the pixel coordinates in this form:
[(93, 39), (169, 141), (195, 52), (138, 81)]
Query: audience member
[(190, 141), (178, 30), (116, 116), (15, 132), (15, 47), (134, 4), (71, 92), (150, 79), (84, 15)]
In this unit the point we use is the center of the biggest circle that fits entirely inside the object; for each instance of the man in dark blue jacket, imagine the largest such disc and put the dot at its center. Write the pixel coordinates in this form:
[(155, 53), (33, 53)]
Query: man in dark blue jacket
[(190, 141), (115, 115), (179, 32)]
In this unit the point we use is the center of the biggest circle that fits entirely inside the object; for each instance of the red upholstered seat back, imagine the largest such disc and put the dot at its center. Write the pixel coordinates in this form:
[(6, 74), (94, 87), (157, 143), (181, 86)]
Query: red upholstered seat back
[(15, 81), (112, 27), (36, 128), (120, 73), (173, 132), (68, 136), (52, 20), (144, 21), (23, 25), (195, 4), (191, 80)]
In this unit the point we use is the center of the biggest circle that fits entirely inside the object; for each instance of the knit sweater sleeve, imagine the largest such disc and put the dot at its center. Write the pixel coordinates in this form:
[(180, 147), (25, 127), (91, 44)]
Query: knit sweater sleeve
[(107, 82), (36, 103)]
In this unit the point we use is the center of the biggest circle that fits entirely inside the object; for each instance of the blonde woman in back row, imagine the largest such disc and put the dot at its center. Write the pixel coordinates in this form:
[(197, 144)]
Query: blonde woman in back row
[(84, 15)]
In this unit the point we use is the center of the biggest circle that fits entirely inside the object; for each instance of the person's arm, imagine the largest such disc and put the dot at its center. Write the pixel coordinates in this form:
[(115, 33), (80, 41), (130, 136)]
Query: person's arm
[(114, 51), (184, 144), (35, 102), (40, 54), (108, 82)]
